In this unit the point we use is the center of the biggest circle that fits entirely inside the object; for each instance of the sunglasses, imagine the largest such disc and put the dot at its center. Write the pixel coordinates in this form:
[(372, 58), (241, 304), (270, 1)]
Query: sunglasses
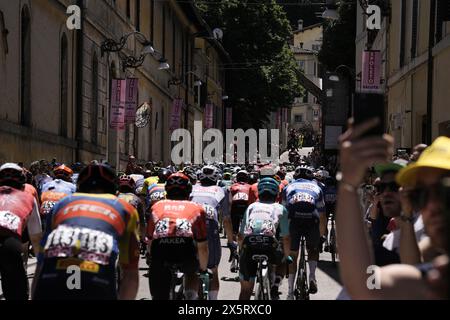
[(420, 196), (392, 186)]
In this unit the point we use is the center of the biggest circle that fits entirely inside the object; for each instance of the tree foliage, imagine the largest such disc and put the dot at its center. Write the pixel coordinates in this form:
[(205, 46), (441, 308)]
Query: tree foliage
[(261, 78)]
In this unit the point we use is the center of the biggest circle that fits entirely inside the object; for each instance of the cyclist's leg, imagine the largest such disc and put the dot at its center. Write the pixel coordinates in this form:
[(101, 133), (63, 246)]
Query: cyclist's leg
[(12, 271), (215, 254), (159, 276), (247, 274), (295, 234), (190, 269), (312, 246)]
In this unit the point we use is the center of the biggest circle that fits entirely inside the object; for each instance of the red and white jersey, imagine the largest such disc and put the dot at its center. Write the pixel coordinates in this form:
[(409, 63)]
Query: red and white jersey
[(18, 210), (173, 218)]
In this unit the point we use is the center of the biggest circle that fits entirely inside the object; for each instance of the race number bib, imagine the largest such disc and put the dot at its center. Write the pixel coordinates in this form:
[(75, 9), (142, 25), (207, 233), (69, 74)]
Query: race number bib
[(240, 196), (83, 243), (9, 221), (302, 197), (184, 228), (210, 212), (262, 227), (162, 228), (47, 207)]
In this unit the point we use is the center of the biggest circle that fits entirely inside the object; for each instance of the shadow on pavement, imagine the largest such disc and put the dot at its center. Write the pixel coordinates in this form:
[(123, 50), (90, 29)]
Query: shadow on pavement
[(330, 269)]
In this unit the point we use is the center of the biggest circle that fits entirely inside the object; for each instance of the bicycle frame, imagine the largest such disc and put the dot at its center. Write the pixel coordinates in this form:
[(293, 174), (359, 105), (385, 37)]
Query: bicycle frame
[(176, 284), (262, 277), (301, 288), (332, 239)]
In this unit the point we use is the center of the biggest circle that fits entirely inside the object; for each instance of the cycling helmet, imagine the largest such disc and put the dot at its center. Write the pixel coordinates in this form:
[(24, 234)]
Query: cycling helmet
[(77, 167), (253, 178), (178, 183), (242, 176), (127, 184), (63, 172), (268, 185), (163, 175), (12, 175), (209, 173), (97, 176), (303, 172), (227, 176), (281, 173)]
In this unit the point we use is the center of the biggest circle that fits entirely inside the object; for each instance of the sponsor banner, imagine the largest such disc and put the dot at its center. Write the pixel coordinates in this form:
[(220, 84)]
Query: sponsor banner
[(229, 117), (118, 93), (175, 119), (209, 116), (371, 71), (131, 100)]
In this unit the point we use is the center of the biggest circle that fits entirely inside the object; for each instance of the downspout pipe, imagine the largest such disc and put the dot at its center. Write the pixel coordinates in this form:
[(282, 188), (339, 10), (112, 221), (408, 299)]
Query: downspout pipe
[(79, 84), (430, 72)]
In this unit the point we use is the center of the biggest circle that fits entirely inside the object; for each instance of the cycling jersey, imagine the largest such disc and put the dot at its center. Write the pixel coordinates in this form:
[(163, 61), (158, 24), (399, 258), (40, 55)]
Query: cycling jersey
[(31, 190), (150, 181), (304, 199), (134, 200), (264, 219), (213, 199), (18, 211), (239, 193), (177, 219), (52, 192), (58, 185), (155, 193), (93, 228)]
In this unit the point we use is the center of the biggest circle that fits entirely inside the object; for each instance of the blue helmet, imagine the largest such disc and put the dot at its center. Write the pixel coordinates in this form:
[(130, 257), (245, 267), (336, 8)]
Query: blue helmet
[(269, 185)]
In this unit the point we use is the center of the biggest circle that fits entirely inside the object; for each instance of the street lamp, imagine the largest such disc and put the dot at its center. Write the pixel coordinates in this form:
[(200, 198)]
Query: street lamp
[(110, 45)]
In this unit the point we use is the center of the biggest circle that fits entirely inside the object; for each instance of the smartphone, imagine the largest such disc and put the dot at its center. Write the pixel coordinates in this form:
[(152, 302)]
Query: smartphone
[(368, 106)]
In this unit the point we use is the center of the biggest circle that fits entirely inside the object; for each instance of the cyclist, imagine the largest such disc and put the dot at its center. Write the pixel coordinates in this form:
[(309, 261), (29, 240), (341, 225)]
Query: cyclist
[(177, 236), (257, 234), (239, 194), (214, 201), (253, 178), (19, 218), (305, 203), (127, 187), (93, 230), (57, 189)]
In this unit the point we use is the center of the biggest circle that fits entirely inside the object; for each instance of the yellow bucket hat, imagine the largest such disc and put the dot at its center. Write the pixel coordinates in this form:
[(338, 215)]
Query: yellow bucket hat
[(435, 156)]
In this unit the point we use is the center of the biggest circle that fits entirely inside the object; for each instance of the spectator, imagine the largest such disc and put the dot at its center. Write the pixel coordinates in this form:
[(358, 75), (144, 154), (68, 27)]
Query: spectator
[(400, 281), (417, 151)]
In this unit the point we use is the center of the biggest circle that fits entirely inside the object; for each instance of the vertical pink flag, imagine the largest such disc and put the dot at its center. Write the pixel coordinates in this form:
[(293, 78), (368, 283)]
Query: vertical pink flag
[(209, 116), (118, 92), (229, 118), (176, 114), (371, 71), (131, 100)]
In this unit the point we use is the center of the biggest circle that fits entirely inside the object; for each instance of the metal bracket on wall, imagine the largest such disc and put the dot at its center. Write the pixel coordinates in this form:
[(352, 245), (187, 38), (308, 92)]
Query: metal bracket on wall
[(4, 32)]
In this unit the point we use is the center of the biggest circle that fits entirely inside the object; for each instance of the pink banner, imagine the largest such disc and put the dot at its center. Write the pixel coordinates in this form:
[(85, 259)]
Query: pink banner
[(209, 116), (175, 119), (131, 100), (118, 92), (229, 118), (371, 71)]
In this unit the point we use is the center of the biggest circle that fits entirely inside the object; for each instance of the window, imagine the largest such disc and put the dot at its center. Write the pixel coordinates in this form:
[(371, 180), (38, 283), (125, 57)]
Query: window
[(316, 47), (138, 15), (301, 64), (298, 118), (94, 111), (63, 87), (301, 45), (25, 69), (402, 33), (415, 11), (305, 97), (152, 19), (128, 9)]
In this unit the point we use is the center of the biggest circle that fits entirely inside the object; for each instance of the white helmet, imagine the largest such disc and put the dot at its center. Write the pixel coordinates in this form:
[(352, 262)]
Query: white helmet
[(209, 172)]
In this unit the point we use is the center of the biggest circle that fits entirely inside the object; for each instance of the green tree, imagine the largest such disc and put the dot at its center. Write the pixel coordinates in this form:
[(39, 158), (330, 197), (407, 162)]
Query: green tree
[(339, 39), (302, 9), (261, 78)]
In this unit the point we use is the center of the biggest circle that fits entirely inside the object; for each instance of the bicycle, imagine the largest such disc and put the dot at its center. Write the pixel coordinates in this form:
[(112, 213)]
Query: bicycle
[(301, 291), (332, 240), (204, 289), (176, 283), (262, 291)]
